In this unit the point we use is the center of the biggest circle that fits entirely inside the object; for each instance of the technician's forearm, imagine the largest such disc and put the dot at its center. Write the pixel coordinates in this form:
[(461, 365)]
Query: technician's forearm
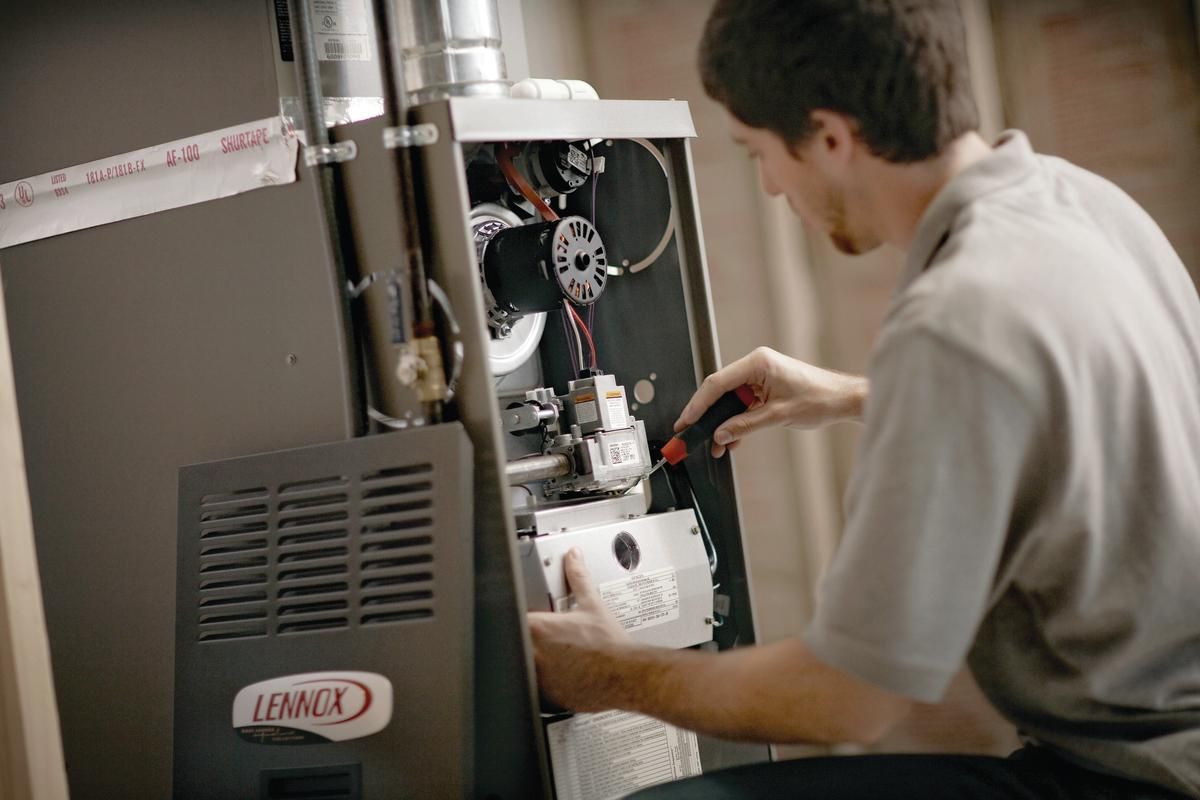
[(774, 693), (851, 398)]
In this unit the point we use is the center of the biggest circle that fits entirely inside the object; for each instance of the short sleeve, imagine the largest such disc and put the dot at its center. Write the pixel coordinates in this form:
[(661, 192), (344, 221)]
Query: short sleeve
[(930, 503)]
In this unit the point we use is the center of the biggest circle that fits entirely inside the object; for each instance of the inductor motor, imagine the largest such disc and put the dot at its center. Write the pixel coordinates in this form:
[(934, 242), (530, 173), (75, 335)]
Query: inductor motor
[(513, 340), (533, 267)]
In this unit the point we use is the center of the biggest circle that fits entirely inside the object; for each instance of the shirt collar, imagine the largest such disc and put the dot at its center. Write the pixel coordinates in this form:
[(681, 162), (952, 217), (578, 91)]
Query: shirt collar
[(1012, 160)]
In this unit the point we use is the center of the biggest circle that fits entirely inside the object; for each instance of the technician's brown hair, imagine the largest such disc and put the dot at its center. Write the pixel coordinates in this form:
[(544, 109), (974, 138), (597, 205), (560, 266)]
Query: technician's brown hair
[(897, 67)]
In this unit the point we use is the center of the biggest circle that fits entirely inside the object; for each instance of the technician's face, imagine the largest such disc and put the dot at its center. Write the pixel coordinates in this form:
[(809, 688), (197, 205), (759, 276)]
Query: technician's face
[(813, 194)]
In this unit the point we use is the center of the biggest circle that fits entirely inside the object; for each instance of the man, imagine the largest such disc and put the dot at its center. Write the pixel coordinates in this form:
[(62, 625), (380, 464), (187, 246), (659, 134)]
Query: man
[(1027, 492)]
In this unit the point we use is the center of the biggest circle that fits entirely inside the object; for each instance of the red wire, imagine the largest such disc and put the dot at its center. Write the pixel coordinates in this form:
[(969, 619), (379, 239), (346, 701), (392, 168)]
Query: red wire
[(518, 182), (586, 332)]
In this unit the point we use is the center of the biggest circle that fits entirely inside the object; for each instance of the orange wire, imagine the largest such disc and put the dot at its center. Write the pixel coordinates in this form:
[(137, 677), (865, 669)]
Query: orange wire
[(586, 332), (518, 182)]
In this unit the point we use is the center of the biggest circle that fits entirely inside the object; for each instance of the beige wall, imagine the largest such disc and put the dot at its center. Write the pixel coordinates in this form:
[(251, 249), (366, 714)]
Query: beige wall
[(1114, 87)]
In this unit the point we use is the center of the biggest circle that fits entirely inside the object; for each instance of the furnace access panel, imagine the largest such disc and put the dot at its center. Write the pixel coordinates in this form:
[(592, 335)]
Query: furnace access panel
[(595, 312)]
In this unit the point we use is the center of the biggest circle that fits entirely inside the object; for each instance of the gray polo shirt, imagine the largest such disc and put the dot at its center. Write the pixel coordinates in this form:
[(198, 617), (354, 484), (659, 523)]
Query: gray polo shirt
[(1027, 491)]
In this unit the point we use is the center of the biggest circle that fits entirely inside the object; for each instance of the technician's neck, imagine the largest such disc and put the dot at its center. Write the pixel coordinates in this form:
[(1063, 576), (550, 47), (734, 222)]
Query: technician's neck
[(904, 191)]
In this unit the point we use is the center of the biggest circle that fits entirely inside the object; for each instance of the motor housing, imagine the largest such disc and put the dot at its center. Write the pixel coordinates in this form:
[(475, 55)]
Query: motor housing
[(531, 268)]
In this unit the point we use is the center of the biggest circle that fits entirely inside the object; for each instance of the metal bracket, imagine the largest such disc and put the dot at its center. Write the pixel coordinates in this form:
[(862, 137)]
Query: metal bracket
[(410, 135), (330, 153)]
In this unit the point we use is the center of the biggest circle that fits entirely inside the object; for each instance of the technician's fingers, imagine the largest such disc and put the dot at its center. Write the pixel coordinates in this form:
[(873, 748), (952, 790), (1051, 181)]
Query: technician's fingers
[(537, 622), (579, 580), (742, 425), (719, 450), (548, 626), (746, 370)]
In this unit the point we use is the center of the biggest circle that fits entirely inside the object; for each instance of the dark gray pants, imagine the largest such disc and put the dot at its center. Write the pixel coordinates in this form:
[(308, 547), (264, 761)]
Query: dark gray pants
[(1028, 774)]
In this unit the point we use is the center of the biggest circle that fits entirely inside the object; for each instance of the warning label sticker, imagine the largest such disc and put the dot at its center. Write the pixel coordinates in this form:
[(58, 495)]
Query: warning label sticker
[(617, 416), (643, 600), (609, 755)]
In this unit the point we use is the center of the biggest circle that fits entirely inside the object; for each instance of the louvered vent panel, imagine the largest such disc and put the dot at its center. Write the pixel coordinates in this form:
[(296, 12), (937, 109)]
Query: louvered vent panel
[(317, 555), (396, 545), (233, 601), (312, 564)]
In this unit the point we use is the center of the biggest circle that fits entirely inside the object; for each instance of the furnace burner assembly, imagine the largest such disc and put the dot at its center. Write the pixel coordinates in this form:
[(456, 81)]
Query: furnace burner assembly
[(578, 447), (563, 234)]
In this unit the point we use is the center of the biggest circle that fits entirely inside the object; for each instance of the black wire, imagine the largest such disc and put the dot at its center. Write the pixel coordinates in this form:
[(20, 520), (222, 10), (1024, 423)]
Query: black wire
[(685, 477), (576, 367), (709, 547)]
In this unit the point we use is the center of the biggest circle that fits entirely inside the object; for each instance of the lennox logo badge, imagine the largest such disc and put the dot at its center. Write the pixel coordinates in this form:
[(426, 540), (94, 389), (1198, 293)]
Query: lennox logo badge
[(313, 707)]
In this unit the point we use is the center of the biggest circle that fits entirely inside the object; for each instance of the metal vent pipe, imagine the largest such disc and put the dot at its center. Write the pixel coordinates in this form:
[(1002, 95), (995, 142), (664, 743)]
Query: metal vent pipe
[(449, 48)]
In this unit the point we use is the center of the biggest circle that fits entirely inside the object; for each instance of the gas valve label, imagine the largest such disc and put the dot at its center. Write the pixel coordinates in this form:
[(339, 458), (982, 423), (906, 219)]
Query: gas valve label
[(645, 600), (623, 453)]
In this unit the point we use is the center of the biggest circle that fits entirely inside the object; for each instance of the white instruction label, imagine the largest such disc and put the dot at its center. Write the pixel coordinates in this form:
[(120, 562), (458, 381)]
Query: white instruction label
[(609, 755), (341, 30), (617, 416), (190, 170), (643, 600), (623, 453), (586, 412)]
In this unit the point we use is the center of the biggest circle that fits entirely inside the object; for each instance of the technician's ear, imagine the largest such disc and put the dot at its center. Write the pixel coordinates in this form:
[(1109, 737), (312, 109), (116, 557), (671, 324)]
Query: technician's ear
[(834, 140)]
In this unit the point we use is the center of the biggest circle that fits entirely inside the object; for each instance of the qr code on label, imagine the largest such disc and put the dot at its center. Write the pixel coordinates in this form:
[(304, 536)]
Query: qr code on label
[(622, 453)]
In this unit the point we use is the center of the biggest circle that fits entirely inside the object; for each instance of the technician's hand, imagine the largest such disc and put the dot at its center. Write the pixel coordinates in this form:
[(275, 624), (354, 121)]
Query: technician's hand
[(573, 650), (789, 392)]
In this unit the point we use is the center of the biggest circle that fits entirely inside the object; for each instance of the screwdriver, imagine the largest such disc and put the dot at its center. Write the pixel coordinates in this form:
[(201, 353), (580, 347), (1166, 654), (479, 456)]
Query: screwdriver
[(692, 437)]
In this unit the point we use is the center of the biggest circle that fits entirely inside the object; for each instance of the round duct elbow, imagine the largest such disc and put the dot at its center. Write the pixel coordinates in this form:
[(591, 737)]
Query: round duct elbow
[(450, 48)]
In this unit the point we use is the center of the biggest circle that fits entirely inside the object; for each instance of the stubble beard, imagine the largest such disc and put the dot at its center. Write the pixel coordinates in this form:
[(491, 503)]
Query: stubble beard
[(839, 232)]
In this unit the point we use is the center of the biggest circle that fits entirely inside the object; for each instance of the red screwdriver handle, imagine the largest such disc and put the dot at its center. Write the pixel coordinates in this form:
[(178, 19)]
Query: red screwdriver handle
[(691, 438)]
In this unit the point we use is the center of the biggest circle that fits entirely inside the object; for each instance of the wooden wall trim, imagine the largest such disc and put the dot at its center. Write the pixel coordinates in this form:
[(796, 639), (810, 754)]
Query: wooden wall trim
[(31, 758)]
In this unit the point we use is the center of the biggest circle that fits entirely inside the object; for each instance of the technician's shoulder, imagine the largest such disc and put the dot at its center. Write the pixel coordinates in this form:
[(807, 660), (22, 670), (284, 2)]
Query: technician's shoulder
[(1003, 288), (981, 296), (1115, 216)]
